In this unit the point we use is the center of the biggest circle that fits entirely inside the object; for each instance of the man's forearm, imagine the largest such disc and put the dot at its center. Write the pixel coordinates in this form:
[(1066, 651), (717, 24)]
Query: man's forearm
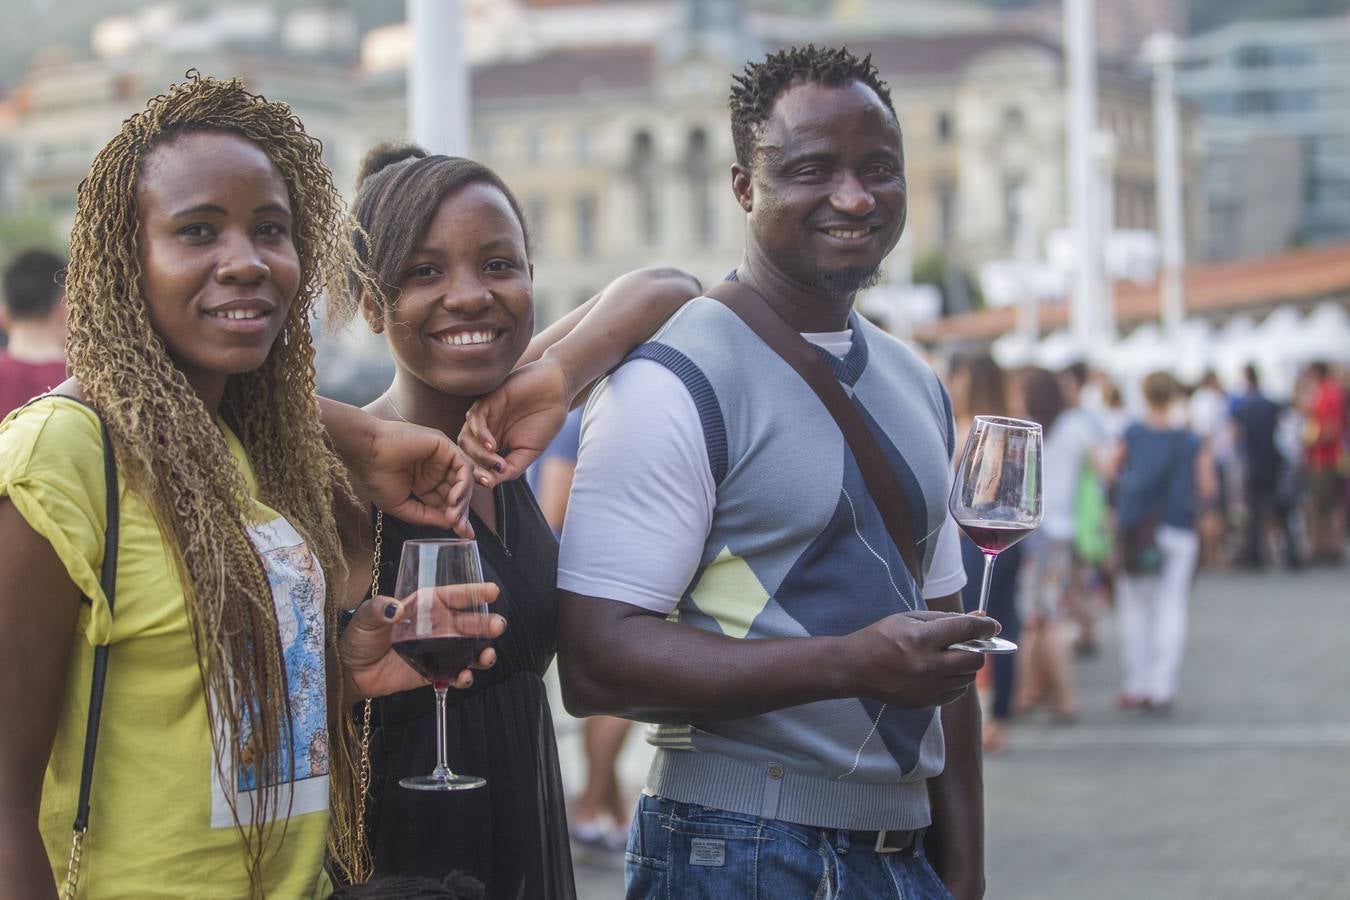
[(685, 672), (619, 660)]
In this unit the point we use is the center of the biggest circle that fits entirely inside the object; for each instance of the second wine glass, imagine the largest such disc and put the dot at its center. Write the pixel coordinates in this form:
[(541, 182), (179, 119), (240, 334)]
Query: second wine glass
[(996, 498), (442, 632)]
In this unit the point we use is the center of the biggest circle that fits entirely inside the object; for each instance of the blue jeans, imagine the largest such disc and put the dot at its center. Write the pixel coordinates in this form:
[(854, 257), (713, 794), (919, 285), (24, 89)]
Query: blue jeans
[(679, 851)]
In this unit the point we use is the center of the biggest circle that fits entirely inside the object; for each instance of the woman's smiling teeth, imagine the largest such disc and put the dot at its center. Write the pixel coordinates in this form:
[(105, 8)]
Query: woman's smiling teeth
[(238, 314), (464, 338)]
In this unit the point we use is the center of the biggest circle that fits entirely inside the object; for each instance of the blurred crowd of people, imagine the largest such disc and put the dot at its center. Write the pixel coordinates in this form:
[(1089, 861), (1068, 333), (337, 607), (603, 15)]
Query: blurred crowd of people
[(1144, 484)]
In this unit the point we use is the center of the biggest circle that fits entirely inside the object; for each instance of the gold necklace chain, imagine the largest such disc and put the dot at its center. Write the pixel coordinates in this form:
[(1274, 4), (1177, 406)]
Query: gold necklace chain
[(389, 398), (363, 764)]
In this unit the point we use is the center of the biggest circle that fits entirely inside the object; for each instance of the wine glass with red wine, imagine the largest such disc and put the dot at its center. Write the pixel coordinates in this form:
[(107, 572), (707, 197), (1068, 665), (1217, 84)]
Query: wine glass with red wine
[(441, 633), (996, 498)]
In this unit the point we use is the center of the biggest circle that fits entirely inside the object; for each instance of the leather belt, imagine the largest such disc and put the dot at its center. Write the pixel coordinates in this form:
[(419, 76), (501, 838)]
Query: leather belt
[(889, 841)]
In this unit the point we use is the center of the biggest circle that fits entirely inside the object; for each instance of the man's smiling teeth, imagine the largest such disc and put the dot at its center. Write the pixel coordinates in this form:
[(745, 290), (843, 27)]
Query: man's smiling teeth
[(238, 314), (467, 337), (847, 233)]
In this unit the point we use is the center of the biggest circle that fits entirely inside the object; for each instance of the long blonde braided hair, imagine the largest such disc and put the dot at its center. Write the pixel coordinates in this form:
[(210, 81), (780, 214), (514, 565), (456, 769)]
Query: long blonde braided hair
[(172, 452)]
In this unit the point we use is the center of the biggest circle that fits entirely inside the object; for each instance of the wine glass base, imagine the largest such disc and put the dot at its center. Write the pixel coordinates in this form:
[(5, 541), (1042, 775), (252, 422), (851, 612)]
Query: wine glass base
[(986, 645), (434, 783)]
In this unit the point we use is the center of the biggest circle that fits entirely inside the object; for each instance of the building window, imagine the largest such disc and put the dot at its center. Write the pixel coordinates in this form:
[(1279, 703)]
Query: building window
[(946, 203), (698, 165), (943, 126), (536, 220), (534, 145), (1255, 101), (1253, 57), (585, 224), (486, 138), (642, 169), (1014, 192)]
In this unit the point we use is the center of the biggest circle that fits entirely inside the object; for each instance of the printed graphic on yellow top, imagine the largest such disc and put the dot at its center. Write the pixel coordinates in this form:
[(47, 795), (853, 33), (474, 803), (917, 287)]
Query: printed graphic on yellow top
[(298, 592)]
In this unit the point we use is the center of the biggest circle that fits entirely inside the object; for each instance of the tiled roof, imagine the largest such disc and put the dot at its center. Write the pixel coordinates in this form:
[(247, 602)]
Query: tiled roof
[(565, 73), (939, 54), (1298, 275)]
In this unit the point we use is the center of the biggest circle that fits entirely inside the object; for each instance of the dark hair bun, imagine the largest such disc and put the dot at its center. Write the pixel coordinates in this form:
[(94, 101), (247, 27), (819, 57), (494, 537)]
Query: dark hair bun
[(385, 155)]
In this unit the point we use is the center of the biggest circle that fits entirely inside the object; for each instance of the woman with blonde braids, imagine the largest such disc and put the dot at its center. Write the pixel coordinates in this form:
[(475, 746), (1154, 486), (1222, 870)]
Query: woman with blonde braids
[(204, 232)]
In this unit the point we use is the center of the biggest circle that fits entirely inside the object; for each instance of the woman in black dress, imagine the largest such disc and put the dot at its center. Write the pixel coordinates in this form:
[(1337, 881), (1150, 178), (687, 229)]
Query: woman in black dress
[(447, 239)]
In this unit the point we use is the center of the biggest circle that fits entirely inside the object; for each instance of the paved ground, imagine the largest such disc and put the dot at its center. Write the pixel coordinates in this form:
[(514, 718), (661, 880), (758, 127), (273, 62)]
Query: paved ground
[(1241, 793)]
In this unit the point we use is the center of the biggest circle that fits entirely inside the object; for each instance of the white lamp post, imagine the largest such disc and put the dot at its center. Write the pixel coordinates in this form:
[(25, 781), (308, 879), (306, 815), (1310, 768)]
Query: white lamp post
[(1161, 51), (1083, 202), (438, 77), (1104, 324)]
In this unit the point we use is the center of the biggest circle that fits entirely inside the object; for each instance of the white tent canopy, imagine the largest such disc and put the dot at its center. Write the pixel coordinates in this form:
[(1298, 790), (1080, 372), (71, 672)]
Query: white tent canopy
[(1279, 346)]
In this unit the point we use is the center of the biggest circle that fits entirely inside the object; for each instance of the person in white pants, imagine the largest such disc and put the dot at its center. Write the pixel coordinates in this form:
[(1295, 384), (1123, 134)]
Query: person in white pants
[(1162, 472), (1153, 610)]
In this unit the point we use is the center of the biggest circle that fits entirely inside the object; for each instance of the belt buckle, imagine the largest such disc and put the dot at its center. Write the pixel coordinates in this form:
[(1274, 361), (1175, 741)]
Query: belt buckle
[(881, 843)]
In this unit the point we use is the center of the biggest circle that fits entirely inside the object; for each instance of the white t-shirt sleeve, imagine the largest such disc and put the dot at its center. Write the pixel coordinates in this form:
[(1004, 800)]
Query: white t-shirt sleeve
[(947, 572), (643, 493)]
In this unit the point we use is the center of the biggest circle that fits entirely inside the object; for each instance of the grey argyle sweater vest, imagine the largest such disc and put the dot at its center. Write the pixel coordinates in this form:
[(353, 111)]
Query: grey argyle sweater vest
[(798, 548)]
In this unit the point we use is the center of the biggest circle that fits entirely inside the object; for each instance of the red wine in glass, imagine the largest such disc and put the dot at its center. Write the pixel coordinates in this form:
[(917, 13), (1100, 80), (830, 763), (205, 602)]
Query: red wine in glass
[(994, 537), (996, 498), (442, 631), (440, 659)]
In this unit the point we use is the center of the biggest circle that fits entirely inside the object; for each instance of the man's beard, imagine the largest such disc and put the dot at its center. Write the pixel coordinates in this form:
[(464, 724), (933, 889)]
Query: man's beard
[(842, 284)]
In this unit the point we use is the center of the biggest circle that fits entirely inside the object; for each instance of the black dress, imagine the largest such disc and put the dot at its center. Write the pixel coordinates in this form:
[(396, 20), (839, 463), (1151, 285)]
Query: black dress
[(511, 834)]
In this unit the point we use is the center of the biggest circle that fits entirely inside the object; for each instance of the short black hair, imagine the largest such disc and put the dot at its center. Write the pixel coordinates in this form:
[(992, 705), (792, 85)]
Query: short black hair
[(1043, 397), (399, 189), (754, 93), (33, 284), (1078, 371)]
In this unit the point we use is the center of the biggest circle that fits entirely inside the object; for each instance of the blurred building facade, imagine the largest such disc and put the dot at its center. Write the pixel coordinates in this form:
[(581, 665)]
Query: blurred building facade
[(1274, 130), (609, 118), (621, 155)]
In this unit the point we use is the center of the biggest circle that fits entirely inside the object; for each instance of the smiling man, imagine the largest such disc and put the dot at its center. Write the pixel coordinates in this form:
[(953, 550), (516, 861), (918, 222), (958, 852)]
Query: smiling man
[(727, 575)]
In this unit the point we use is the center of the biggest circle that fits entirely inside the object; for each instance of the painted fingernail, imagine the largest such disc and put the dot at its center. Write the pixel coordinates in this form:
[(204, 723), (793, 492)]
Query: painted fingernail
[(390, 610), (497, 467)]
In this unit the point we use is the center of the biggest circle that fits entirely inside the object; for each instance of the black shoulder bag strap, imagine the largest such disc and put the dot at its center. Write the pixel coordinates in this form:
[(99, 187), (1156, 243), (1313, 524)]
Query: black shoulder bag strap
[(797, 352), (108, 582)]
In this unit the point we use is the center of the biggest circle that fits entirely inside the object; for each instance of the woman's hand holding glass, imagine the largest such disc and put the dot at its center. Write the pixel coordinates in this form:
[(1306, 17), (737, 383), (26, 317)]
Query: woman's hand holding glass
[(373, 668), (523, 414), (445, 622)]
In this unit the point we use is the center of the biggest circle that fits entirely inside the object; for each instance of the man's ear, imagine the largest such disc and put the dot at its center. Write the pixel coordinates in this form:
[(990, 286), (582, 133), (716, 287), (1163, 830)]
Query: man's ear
[(372, 312), (742, 187)]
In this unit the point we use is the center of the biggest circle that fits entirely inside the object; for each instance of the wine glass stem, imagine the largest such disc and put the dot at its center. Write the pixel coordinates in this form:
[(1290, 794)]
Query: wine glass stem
[(442, 768), (984, 586)]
